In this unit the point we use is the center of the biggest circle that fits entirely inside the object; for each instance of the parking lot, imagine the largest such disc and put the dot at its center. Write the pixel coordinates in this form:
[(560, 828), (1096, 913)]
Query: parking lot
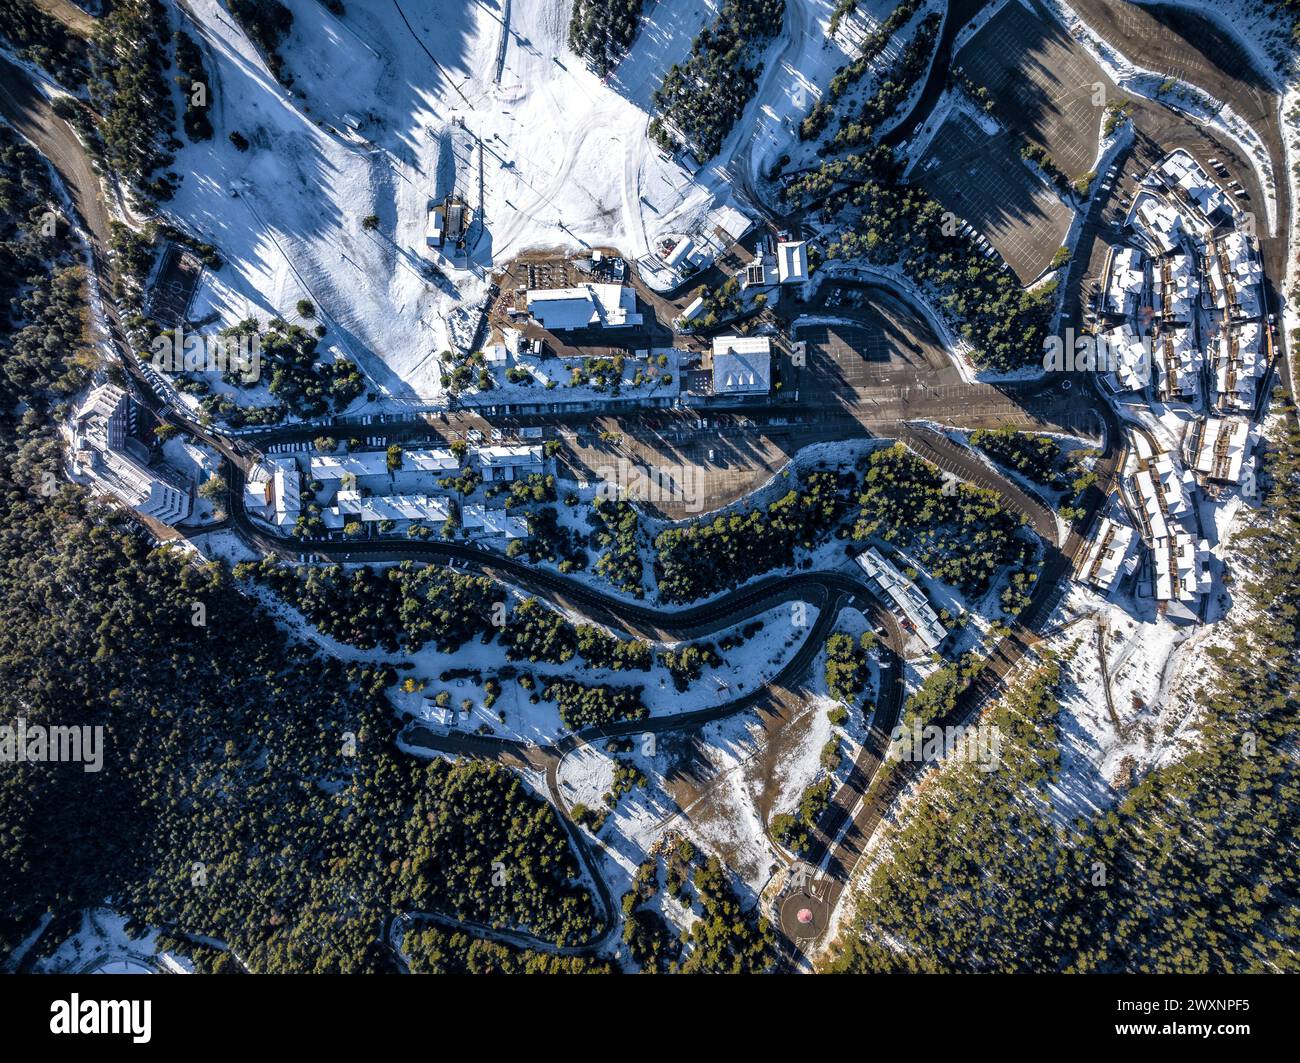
[(983, 180), (1043, 83)]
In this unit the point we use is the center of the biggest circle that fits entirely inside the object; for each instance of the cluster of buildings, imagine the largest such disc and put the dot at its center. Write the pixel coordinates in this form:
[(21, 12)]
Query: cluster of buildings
[(104, 450), (1156, 512), (677, 257), (908, 599), (1187, 327), (538, 357), (777, 264), (1162, 503), (360, 488), (1186, 311)]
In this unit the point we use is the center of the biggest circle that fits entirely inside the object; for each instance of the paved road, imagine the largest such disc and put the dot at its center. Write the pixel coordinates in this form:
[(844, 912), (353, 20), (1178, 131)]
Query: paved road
[(855, 809), (28, 111)]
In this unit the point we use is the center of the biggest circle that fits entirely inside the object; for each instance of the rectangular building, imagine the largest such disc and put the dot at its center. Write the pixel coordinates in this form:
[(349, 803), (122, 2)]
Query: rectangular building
[(742, 365), (586, 306), (906, 596), (1222, 449), (1105, 559)]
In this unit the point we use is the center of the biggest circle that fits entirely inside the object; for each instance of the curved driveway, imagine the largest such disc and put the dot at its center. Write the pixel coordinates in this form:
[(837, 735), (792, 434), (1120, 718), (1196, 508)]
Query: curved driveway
[(848, 825)]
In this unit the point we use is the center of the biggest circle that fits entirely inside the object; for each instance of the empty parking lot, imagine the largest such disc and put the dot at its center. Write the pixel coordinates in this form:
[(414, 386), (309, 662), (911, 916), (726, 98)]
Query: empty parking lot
[(983, 180), (1044, 84)]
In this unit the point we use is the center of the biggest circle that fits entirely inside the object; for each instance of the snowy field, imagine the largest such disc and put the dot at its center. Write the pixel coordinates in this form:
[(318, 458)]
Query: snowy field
[(387, 114), (394, 106), (103, 945), (723, 820)]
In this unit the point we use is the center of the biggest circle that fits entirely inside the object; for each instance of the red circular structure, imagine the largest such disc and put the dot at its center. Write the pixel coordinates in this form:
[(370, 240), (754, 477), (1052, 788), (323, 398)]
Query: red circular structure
[(803, 916)]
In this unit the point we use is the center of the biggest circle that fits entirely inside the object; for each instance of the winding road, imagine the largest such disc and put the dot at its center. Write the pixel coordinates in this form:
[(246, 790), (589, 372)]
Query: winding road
[(859, 805)]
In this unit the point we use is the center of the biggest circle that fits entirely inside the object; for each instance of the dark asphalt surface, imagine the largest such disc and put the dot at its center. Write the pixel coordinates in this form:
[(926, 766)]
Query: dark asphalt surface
[(845, 831)]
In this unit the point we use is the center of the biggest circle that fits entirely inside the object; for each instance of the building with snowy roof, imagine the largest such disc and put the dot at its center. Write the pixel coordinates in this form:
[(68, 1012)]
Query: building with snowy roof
[(482, 521), (892, 585), (371, 509), (1193, 188), (742, 365), (1161, 497), (586, 306), (1178, 364), (1239, 362), (1177, 289), (1162, 224), (1128, 279), (273, 491), (1181, 569), (104, 450), (509, 462), (1106, 558), (1128, 360), (1235, 276), (369, 464), (1222, 448), (792, 261)]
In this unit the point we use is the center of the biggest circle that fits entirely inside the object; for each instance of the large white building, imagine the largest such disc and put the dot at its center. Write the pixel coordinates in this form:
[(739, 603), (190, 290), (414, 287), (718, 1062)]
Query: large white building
[(792, 261), (1106, 559), (103, 450), (910, 600), (742, 365), (273, 491), (586, 306)]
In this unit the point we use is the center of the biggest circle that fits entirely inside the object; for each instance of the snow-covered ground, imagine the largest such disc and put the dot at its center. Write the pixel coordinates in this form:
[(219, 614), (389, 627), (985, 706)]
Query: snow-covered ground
[(800, 766), (723, 818), (102, 945), (393, 107), (744, 668), (1156, 672)]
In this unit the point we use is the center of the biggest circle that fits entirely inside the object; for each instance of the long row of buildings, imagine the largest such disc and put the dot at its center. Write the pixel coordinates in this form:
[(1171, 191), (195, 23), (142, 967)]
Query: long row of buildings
[(361, 488), (907, 599), (1185, 307)]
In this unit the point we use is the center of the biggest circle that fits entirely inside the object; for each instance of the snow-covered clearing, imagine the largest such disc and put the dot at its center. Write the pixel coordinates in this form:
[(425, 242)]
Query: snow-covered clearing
[(393, 107), (800, 766), (547, 157), (102, 945)]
